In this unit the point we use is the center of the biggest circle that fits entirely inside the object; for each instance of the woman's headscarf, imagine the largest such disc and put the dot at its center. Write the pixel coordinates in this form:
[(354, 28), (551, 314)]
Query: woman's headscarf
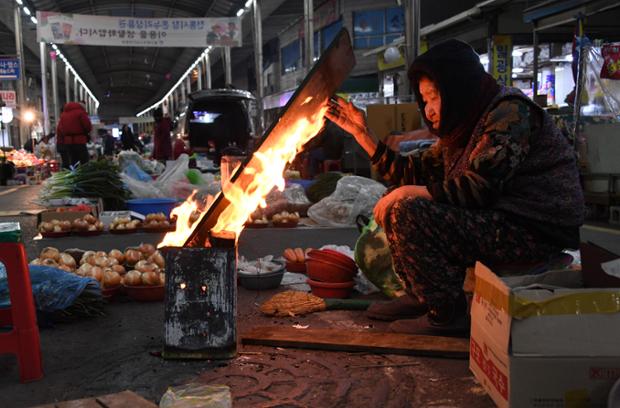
[(465, 88)]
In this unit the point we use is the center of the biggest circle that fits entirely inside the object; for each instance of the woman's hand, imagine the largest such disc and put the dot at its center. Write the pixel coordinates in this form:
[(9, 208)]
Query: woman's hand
[(353, 121), (385, 204)]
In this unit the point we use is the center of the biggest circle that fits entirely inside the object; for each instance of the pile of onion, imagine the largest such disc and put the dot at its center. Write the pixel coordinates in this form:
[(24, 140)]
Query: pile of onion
[(124, 223), (104, 268), (158, 220), (55, 226), (87, 223), (148, 270), (51, 256)]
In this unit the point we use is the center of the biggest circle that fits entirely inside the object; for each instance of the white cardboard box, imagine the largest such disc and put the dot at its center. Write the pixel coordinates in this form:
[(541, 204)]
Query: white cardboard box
[(533, 347)]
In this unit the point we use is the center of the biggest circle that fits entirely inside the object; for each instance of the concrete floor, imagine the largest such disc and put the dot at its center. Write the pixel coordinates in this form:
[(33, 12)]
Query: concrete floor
[(119, 351)]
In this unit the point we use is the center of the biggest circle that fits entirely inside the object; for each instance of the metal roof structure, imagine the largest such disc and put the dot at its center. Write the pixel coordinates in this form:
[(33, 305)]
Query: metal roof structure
[(127, 79)]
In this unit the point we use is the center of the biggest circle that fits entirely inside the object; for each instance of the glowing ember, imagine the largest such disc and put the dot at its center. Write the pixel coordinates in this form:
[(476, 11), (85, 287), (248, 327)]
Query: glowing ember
[(264, 172), (187, 215)]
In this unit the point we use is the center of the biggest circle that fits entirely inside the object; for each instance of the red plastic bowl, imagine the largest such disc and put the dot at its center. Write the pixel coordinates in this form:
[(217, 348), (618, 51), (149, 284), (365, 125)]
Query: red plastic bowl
[(338, 255), (321, 255), (325, 271), (330, 290)]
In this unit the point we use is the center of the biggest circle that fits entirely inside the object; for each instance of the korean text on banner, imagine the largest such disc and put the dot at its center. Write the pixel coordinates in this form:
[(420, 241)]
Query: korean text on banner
[(83, 29), (502, 59), (9, 68), (8, 97)]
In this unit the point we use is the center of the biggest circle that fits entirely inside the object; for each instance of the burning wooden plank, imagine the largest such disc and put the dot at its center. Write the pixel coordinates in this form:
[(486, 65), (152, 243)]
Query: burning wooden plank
[(301, 120)]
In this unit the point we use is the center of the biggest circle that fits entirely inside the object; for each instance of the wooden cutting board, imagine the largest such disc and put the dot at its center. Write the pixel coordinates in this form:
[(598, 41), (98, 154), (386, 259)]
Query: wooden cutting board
[(366, 341)]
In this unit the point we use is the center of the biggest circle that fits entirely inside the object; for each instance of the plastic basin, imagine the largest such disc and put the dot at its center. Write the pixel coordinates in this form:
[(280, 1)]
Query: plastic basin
[(147, 206), (333, 257), (326, 271), (328, 290)]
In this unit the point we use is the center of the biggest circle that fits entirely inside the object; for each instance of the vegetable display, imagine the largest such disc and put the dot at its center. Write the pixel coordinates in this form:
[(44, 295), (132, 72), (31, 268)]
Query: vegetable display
[(95, 179)]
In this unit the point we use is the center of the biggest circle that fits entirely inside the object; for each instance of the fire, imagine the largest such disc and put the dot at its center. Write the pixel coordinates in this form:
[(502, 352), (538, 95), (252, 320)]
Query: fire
[(264, 172), (187, 215), (261, 174)]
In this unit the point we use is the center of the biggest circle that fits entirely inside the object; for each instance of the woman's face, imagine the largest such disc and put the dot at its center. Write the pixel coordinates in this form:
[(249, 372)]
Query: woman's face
[(432, 99)]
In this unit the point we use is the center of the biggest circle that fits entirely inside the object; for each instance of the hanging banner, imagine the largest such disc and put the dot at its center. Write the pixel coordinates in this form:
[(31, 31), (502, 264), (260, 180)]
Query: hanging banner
[(9, 68), (80, 29), (502, 59), (9, 99)]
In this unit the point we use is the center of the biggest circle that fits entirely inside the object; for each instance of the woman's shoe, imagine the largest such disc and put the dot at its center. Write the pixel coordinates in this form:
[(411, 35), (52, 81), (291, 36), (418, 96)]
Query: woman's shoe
[(404, 307)]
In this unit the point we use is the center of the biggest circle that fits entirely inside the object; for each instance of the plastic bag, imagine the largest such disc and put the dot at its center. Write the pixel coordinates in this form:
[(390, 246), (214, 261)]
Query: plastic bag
[(175, 172), (197, 396), (353, 196), (141, 189), (134, 171), (373, 257)]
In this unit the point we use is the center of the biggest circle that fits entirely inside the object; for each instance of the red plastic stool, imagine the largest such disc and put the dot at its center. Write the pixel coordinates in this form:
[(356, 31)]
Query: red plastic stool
[(23, 339), (332, 165)]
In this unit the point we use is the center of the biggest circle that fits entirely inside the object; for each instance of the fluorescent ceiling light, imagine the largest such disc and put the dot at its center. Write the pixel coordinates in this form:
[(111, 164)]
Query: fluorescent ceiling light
[(20, 2), (517, 70), (33, 19), (484, 60), (240, 12), (248, 4), (27, 11), (514, 75), (517, 53)]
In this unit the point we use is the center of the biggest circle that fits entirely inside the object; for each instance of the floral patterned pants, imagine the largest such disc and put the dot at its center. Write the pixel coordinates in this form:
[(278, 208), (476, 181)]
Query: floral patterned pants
[(432, 245)]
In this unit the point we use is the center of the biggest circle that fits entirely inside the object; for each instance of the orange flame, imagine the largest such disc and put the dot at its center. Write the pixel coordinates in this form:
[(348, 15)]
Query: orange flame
[(187, 215), (260, 176)]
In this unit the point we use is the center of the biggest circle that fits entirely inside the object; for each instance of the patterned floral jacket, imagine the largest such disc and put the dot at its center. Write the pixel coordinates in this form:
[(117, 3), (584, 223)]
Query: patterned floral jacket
[(516, 161)]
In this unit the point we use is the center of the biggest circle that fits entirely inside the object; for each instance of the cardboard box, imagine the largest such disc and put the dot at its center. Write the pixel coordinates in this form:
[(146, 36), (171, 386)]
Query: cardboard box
[(537, 345), (385, 119)]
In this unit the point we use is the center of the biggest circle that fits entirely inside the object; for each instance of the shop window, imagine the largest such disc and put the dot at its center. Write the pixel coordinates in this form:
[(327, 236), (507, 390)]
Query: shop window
[(291, 57), (374, 28)]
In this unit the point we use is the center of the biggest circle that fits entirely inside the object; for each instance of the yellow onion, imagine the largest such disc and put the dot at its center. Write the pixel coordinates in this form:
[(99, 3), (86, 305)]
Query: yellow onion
[(118, 255), (132, 278), (84, 269), (96, 273), (150, 279), (36, 261), (50, 253), (101, 261), (147, 249), (111, 279), (89, 218), (65, 268), (65, 225), (85, 256), (158, 259), (120, 269), (132, 256), (49, 262), (46, 227), (67, 260)]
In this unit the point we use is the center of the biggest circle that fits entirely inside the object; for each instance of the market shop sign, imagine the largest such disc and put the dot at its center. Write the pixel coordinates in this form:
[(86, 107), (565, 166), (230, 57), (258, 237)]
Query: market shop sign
[(502, 59), (9, 99), (81, 29), (9, 68)]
